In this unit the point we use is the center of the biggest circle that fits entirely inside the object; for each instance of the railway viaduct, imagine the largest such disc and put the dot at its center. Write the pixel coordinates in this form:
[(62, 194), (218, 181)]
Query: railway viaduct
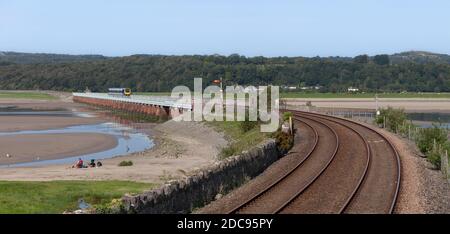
[(152, 105)]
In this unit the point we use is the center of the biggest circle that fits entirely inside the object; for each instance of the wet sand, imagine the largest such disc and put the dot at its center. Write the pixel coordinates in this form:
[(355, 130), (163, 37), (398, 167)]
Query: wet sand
[(32, 147), (20, 123)]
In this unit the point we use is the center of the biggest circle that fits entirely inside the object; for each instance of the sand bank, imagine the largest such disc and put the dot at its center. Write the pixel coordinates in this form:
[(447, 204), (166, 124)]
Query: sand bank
[(20, 123), (30, 147)]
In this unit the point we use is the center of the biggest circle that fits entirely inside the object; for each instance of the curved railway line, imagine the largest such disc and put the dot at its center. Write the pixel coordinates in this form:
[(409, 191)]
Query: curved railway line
[(350, 168)]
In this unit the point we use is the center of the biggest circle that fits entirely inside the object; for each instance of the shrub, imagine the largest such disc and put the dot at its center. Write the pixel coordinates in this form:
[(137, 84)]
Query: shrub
[(284, 141), (434, 157), (114, 207), (126, 163), (394, 118), (433, 143), (428, 136)]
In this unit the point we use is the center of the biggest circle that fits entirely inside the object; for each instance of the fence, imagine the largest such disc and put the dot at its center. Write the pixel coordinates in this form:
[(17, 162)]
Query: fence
[(361, 115), (406, 130)]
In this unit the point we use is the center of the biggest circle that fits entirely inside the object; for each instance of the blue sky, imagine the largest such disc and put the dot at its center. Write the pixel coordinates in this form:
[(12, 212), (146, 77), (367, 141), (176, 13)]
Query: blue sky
[(247, 27)]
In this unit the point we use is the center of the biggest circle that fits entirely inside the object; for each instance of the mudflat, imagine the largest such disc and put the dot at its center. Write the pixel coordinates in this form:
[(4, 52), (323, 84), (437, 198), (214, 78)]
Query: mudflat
[(20, 123), (32, 147)]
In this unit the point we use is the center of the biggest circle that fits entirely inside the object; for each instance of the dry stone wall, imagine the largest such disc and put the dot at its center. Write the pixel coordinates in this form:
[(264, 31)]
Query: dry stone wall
[(182, 196)]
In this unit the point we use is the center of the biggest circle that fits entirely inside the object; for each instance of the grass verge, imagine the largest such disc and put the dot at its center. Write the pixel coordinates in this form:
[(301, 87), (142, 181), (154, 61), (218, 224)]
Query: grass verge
[(26, 95), (363, 95), (239, 140), (58, 196), (335, 95)]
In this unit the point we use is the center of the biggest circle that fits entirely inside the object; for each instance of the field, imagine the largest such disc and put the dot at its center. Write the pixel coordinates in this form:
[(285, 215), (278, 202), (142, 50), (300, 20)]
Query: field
[(336, 95), (26, 95), (153, 93), (58, 196)]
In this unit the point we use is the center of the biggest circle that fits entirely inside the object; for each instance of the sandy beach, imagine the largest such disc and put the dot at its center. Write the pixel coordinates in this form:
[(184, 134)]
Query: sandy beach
[(180, 148), (20, 123), (26, 148)]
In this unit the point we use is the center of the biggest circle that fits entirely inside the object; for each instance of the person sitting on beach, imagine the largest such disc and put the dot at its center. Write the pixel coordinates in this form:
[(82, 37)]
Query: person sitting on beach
[(99, 164), (92, 163), (79, 163)]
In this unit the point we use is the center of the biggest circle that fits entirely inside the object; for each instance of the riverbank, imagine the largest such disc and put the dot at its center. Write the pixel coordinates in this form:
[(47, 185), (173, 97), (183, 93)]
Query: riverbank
[(23, 148)]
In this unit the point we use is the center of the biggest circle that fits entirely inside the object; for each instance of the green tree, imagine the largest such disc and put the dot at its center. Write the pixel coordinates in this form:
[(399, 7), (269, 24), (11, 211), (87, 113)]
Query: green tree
[(362, 59), (382, 59)]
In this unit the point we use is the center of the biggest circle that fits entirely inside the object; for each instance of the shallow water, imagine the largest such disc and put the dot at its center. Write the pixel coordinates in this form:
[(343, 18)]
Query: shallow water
[(129, 141), (38, 113), (427, 119), (30, 112)]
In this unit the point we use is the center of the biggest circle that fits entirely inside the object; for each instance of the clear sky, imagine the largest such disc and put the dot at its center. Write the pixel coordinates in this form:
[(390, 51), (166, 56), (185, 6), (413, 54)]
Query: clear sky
[(246, 27)]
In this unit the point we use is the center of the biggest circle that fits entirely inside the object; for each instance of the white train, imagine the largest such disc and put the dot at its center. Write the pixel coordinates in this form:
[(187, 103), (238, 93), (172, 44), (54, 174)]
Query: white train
[(119, 92)]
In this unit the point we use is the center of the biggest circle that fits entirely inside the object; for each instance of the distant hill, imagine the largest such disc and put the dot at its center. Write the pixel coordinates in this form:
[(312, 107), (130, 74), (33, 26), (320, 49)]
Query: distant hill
[(38, 58), (160, 73), (420, 57), (6, 58)]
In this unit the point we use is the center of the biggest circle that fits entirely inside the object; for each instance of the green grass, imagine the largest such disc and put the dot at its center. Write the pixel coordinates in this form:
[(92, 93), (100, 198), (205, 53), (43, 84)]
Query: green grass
[(58, 196), (153, 93), (239, 141), (363, 95), (26, 95), (336, 95)]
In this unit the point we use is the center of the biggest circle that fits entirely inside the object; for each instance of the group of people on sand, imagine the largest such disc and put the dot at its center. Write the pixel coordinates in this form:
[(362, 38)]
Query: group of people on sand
[(80, 164)]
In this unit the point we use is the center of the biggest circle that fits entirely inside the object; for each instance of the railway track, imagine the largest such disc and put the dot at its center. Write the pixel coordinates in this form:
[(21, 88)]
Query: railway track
[(378, 191), (329, 187), (318, 158)]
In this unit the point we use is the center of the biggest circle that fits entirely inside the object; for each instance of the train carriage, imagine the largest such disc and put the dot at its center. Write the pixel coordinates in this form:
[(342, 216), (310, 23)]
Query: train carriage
[(119, 92)]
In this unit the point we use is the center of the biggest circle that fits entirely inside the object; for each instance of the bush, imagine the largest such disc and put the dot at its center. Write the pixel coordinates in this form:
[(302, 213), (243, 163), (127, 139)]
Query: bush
[(394, 118), (433, 143), (284, 141), (114, 207), (126, 163), (427, 136), (434, 157)]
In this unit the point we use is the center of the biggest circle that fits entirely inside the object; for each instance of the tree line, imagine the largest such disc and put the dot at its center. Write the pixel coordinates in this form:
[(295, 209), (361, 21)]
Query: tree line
[(158, 73)]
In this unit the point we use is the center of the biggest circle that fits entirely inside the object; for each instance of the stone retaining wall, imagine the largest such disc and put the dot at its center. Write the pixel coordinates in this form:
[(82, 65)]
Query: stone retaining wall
[(182, 196)]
